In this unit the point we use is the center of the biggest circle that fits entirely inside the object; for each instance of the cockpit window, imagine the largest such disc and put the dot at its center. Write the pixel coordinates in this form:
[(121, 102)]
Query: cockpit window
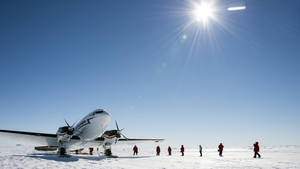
[(98, 111)]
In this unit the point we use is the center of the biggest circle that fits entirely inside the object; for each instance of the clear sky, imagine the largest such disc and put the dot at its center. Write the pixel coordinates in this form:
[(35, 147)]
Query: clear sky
[(234, 80)]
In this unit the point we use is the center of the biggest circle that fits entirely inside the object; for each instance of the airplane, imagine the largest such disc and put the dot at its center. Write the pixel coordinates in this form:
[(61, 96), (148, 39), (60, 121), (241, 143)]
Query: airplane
[(75, 138)]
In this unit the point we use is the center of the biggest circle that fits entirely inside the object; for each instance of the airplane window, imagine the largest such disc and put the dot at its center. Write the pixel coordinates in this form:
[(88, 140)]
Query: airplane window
[(99, 111)]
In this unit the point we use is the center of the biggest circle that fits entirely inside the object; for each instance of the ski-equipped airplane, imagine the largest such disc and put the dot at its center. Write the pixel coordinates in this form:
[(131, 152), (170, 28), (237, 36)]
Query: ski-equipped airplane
[(75, 138)]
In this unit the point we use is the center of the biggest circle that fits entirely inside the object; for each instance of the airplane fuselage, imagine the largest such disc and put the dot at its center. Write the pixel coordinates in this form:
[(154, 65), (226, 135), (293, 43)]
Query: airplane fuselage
[(87, 129), (92, 125)]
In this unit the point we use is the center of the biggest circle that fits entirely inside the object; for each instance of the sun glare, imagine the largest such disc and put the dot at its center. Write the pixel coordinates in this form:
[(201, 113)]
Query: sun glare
[(203, 12)]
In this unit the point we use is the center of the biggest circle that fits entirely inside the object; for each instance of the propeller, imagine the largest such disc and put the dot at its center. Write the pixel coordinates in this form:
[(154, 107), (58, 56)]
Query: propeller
[(120, 131), (67, 123), (70, 128)]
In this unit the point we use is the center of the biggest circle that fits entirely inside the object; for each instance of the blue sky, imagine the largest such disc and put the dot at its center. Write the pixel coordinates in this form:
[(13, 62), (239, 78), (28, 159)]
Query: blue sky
[(236, 81)]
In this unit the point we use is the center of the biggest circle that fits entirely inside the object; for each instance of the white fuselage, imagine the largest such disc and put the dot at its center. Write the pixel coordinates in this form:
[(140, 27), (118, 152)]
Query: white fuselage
[(92, 125)]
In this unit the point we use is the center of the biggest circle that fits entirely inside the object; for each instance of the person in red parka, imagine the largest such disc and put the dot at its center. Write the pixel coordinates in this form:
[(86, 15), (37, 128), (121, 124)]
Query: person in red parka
[(182, 150), (91, 150), (256, 150), (220, 149), (135, 150), (169, 150), (157, 150)]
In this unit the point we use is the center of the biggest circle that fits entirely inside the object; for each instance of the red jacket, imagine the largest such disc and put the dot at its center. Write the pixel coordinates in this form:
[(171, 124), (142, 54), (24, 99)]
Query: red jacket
[(169, 149), (221, 147), (135, 149), (182, 149), (158, 149), (256, 148)]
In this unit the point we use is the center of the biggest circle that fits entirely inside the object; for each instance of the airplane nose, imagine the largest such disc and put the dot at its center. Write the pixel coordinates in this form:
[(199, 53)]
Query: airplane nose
[(104, 115), (96, 125)]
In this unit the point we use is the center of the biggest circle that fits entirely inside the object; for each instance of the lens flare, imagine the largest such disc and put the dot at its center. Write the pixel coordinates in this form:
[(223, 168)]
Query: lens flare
[(236, 8)]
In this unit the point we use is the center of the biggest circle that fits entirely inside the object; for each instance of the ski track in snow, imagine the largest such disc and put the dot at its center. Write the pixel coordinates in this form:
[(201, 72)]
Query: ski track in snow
[(272, 157)]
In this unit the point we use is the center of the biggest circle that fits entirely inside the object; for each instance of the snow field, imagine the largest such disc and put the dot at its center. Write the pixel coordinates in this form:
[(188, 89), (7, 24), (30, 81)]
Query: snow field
[(272, 157)]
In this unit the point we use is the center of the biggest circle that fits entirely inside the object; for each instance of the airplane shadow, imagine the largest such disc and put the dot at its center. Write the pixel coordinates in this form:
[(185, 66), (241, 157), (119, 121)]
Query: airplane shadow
[(70, 158), (52, 157)]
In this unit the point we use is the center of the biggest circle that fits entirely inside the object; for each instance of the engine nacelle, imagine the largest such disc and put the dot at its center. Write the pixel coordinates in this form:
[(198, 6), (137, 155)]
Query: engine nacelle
[(111, 134), (64, 134)]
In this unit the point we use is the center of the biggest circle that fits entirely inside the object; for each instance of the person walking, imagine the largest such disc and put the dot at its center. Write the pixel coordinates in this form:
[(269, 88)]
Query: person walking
[(182, 150), (135, 150), (256, 150), (157, 150), (221, 147), (200, 150), (170, 151)]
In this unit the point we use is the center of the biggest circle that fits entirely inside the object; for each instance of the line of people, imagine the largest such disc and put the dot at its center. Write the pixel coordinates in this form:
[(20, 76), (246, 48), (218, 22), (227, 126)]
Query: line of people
[(170, 150), (136, 150), (220, 150)]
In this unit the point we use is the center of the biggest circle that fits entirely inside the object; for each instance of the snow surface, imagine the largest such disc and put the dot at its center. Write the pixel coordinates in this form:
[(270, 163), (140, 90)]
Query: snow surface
[(272, 157)]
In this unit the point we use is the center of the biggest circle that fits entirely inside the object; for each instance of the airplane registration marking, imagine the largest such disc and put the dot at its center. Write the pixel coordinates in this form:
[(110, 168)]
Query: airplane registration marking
[(85, 122)]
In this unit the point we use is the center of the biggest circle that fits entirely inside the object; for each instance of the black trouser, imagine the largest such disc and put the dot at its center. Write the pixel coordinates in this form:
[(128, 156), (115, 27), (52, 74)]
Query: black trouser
[(256, 154), (200, 153), (157, 153), (182, 153), (220, 153), (170, 153), (135, 153)]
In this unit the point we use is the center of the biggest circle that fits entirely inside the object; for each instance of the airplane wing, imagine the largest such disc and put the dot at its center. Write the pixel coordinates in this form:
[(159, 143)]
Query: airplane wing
[(44, 139)]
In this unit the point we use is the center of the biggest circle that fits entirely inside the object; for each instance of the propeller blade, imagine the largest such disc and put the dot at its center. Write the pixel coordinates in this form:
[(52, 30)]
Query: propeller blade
[(117, 126), (67, 123), (120, 131), (124, 136)]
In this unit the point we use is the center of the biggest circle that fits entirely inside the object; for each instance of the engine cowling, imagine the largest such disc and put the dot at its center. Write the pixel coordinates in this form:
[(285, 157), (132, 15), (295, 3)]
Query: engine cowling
[(111, 134), (64, 134)]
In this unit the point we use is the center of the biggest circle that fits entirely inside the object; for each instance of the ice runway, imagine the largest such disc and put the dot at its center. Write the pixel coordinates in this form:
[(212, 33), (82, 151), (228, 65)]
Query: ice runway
[(272, 157)]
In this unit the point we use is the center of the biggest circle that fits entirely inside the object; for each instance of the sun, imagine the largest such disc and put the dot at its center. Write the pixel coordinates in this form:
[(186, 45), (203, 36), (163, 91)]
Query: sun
[(203, 12)]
